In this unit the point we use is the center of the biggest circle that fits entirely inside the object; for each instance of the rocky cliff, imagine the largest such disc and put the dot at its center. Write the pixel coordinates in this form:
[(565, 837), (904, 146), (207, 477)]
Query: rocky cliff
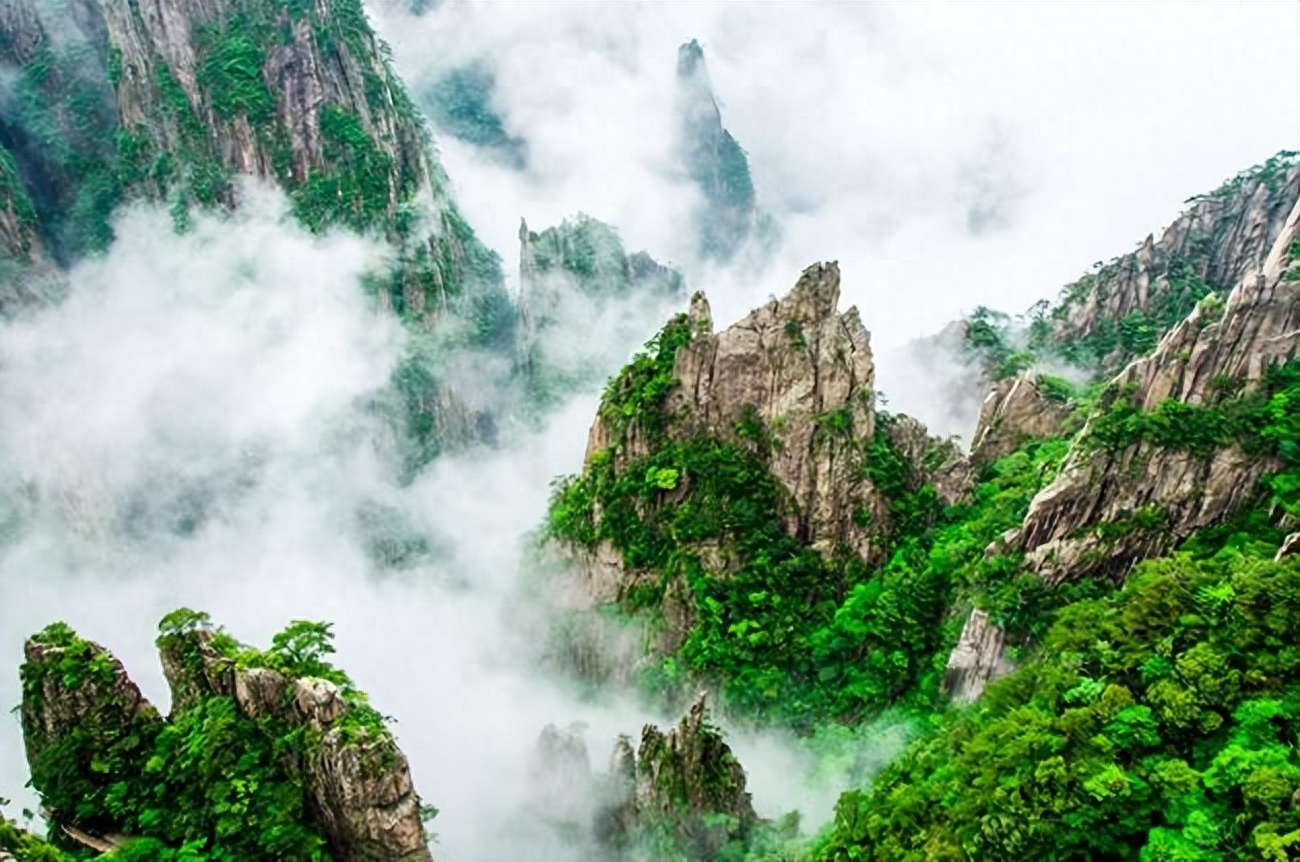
[(796, 370), (173, 99), (245, 727), (1171, 449), (740, 499), (716, 163), (683, 785)]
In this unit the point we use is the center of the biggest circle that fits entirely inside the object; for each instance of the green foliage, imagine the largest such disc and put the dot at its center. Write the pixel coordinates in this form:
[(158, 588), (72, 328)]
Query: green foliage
[(1114, 342), (1270, 173), (210, 783), (1264, 420), (25, 847), (461, 105), (638, 393), (1156, 723), (231, 70), (353, 187), (989, 336), (784, 632), (1056, 390)]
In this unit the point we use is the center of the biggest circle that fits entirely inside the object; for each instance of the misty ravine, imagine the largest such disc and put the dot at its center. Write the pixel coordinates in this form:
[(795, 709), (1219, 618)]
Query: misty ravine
[(655, 433)]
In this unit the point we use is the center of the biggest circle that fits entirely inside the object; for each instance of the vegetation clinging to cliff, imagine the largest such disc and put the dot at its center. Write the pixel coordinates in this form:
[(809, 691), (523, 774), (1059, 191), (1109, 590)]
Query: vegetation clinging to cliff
[(210, 782), (785, 632)]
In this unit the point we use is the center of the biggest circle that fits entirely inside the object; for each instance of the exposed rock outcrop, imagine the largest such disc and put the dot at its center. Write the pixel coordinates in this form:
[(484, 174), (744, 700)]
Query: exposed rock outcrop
[(175, 98), (1014, 411), (1220, 240), (685, 782), (1259, 326), (716, 163), (1290, 547), (979, 658), (357, 781), (805, 372), (77, 693)]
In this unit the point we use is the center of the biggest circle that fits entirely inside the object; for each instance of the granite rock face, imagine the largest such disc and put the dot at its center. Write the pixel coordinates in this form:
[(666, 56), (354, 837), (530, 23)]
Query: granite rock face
[(1258, 326), (1221, 239), (978, 659), (1014, 411), (357, 781), (797, 366), (95, 706)]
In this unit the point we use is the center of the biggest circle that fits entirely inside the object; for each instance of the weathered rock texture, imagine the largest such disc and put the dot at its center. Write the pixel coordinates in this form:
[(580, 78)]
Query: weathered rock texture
[(1260, 325), (357, 781), (1223, 237), (979, 658), (796, 365), (686, 782), (1013, 412), (94, 704), (172, 99), (935, 461)]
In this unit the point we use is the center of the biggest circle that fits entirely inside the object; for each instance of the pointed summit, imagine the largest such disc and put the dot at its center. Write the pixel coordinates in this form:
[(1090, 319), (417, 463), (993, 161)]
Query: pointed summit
[(715, 161)]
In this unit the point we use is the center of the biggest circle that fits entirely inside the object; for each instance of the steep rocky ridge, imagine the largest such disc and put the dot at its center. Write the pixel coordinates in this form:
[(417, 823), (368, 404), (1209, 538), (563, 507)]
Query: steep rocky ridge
[(798, 368), (91, 737), (716, 163), (1122, 309), (685, 782), (170, 100), (1127, 305), (1216, 354), (739, 501)]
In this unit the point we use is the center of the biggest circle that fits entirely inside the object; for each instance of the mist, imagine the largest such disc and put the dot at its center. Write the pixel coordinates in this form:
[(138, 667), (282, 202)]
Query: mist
[(194, 426), (947, 155)]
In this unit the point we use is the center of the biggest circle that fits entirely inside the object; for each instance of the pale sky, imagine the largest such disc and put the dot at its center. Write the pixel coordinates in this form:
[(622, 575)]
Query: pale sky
[(878, 133)]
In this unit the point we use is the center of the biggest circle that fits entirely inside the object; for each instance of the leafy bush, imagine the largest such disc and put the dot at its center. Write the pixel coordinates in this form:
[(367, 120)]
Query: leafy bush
[(210, 782), (1155, 724)]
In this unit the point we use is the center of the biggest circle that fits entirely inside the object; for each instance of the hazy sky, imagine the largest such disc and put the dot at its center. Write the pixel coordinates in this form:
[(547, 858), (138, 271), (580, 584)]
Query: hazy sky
[(947, 154)]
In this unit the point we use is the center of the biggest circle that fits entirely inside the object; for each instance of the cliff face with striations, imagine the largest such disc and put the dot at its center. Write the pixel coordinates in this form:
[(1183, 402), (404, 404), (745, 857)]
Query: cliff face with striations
[(1121, 311), (1015, 410), (324, 758), (1215, 357), (171, 100), (797, 368)]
